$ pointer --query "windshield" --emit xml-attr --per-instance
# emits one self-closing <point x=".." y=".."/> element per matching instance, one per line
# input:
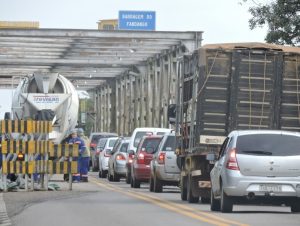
<point x="268" y="144"/>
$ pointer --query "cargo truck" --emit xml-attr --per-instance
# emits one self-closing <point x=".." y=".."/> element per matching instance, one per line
<point x="223" y="87"/>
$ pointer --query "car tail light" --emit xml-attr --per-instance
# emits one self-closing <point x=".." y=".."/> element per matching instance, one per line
<point x="232" y="163"/>
<point x="92" y="145"/>
<point x="130" y="157"/>
<point x="161" y="158"/>
<point x="141" y="158"/>
<point x="120" y="157"/>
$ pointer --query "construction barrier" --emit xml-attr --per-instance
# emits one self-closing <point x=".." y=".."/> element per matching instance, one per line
<point x="28" y="126"/>
<point x="52" y="158"/>
<point x="39" y="166"/>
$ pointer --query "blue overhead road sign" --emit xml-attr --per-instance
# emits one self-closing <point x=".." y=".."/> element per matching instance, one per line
<point x="137" y="20"/>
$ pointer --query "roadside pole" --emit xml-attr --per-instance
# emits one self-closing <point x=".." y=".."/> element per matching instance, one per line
<point x="70" y="174"/>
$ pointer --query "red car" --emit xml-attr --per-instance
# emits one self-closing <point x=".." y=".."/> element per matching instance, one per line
<point x="140" y="167"/>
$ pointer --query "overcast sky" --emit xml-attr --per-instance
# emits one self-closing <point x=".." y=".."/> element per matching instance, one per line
<point x="220" y="20"/>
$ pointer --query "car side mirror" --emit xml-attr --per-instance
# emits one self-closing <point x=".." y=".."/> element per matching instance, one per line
<point x="211" y="157"/>
<point x="172" y="113"/>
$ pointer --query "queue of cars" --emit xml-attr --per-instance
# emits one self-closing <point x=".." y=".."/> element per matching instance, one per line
<point x="253" y="166"/>
<point x="131" y="157"/>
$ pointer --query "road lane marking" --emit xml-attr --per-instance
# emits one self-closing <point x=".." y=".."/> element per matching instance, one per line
<point x="199" y="211"/>
<point x="179" y="208"/>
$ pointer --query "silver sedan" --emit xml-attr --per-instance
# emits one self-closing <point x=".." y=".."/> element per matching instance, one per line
<point x="117" y="161"/>
<point x="259" y="167"/>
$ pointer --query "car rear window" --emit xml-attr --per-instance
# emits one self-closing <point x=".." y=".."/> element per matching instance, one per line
<point x="268" y="144"/>
<point x="95" y="138"/>
<point x="151" y="143"/>
<point x="102" y="142"/>
<point x="112" y="143"/>
<point x="170" y="142"/>
<point x="124" y="147"/>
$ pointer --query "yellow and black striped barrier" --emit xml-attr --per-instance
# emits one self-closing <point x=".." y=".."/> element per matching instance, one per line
<point x="16" y="167"/>
<point x="25" y="126"/>
<point x="39" y="147"/>
<point x="64" y="150"/>
<point x="62" y="167"/>
<point x="40" y="166"/>
<point x="26" y="147"/>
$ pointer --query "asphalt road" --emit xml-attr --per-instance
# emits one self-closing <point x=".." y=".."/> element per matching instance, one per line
<point x="100" y="202"/>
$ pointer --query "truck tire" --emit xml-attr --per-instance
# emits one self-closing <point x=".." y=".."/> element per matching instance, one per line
<point x="190" y="197"/>
<point x="157" y="185"/>
<point x="226" y="202"/>
<point x="214" y="203"/>
<point x="183" y="190"/>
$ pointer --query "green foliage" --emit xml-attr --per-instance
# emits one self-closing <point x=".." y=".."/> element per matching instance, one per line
<point x="282" y="18"/>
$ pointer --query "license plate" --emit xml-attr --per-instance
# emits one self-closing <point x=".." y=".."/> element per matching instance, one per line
<point x="270" y="188"/>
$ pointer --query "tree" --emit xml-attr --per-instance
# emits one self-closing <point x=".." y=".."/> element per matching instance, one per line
<point x="282" y="18"/>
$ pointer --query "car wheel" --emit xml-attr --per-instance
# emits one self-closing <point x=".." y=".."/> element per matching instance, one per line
<point x="135" y="183"/>
<point x="103" y="173"/>
<point x="183" y="190"/>
<point x="205" y="200"/>
<point x="131" y="182"/>
<point x="94" y="168"/>
<point x="157" y="185"/>
<point x="116" y="177"/>
<point x="109" y="176"/>
<point x="214" y="203"/>
<point x="295" y="207"/>
<point x="128" y="179"/>
<point x="100" y="174"/>
<point x="190" y="197"/>
<point x="151" y="184"/>
<point x="226" y="202"/>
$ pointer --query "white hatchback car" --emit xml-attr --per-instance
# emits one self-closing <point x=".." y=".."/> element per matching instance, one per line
<point x="164" y="168"/>
<point x="105" y="155"/>
<point x="257" y="167"/>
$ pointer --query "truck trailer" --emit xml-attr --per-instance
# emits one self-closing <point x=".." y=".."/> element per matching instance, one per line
<point x="224" y="87"/>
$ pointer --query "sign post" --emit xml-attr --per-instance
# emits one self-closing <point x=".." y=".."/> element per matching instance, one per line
<point x="137" y="20"/>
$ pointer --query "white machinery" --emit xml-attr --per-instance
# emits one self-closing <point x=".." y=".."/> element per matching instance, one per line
<point x="48" y="97"/>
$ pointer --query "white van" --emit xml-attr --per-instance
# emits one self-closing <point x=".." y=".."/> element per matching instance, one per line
<point x="138" y="134"/>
